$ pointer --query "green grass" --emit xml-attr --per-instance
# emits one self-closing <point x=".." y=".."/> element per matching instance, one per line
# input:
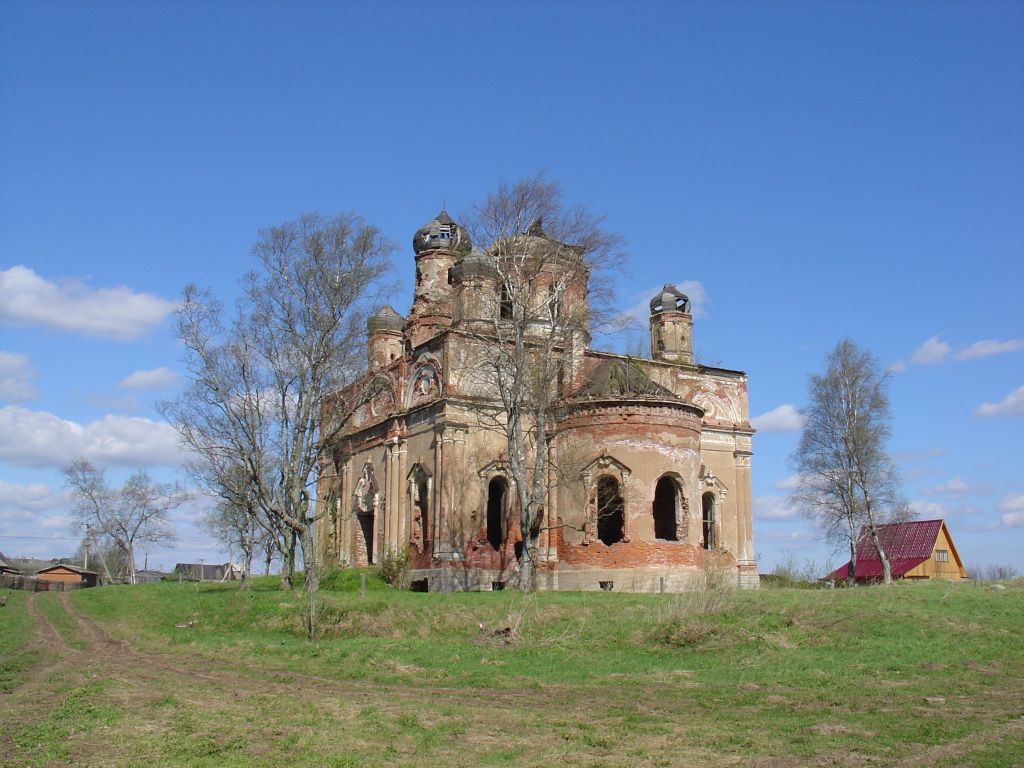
<point x="17" y="655"/>
<point x="79" y="711"/>
<point x="49" y="605"/>
<point x="398" y="678"/>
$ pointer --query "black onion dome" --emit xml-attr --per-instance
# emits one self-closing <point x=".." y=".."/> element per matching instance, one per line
<point x="671" y="299"/>
<point x="385" y="319"/>
<point x="442" y="232"/>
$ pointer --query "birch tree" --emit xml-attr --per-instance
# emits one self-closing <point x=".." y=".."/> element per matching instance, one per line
<point x="136" y="513"/>
<point x="847" y="480"/>
<point x="545" y="255"/>
<point x="257" y="384"/>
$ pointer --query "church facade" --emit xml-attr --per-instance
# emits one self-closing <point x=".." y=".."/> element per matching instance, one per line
<point x="649" y="477"/>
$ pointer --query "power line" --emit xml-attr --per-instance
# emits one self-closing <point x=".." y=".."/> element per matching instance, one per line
<point x="39" y="538"/>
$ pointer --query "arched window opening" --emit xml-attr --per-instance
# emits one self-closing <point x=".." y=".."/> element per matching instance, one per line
<point x="710" y="534"/>
<point x="611" y="518"/>
<point x="505" y="303"/>
<point x="423" y="504"/>
<point x="497" y="501"/>
<point x="666" y="509"/>
<point x="450" y="279"/>
<point x="554" y="302"/>
<point x="366" y="528"/>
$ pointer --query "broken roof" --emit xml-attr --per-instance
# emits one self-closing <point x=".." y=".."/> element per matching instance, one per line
<point x="618" y="377"/>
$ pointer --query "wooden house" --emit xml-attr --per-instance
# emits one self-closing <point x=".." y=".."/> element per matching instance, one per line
<point x="68" y="575"/>
<point x="7" y="567"/>
<point x="920" y="549"/>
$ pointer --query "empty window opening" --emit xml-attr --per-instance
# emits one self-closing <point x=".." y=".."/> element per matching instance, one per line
<point x="449" y="277"/>
<point x="419" y="276"/>
<point x="666" y="509"/>
<point x="419" y="585"/>
<point x="611" y="519"/>
<point x="519" y="551"/>
<point x="505" y="303"/>
<point x="497" y="586"/>
<point x="710" y="534"/>
<point x="497" y="495"/>
<point x="606" y="586"/>
<point x="366" y="526"/>
<point x="941" y="556"/>
<point x="554" y="302"/>
<point x="423" y="504"/>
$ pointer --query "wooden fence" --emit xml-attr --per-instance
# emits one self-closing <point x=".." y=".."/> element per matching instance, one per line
<point x="32" y="584"/>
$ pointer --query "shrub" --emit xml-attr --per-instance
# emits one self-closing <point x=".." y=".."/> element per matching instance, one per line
<point x="394" y="569"/>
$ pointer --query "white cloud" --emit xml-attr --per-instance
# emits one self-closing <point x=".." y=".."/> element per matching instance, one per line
<point x="954" y="487"/>
<point x="989" y="347"/>
<point x="1011" y="405"/>
<point x="787" y="484"/>
<point x="1012" y="508"/>
<point x="16" y="376"/>
<point x="785" y="418"/>
<point x="34" y="510"/>
<point x="898" y="367"/>
<point x="932" y="351"/>
<point x="158" y="378"/>
<point x="699" y="301"/>
<point x="114" y="313"/>
<point x="40" y="439"/>
<point x="928" y="510"/>
<point x="774" y="508"/>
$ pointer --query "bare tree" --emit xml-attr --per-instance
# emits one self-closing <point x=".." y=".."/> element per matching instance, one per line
<point x="257" y="388"/>
<point x="847" y="479"/>
<point x="135" y="513"/>
<point x="544" y="257"/>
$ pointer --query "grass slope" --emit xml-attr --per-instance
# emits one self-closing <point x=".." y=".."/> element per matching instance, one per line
<point x="876" y="676"/>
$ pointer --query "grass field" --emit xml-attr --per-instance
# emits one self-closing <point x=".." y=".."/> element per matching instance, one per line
<point x="165" y="674"/>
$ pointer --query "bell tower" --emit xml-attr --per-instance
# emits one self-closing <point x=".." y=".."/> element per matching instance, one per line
<point x="671" y="326"/>
<point x="437" y="245"/>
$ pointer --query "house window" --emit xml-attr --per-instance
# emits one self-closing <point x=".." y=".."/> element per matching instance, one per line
<point x="941" y="556"/>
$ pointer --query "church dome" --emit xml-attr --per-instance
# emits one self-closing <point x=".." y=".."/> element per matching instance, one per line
<point x="442" y="232"/>
<point x="385" y="319"/>
<point x="670" y="299"/>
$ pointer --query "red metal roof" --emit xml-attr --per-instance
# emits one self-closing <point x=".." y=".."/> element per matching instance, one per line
<point x="907" y="545"/>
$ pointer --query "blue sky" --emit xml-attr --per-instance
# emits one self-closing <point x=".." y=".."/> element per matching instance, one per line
<point x="809" y="170"/>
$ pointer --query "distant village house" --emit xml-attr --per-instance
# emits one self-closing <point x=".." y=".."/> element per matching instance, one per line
<point x="921" y="549"/>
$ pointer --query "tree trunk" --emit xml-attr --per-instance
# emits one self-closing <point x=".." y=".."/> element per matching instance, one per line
<point x="288" y="567"/>
<point x="308" y="545"/>
<point x="129" y="551"/>
<point x="851" y="573"/>
<point x="886" y="567"/>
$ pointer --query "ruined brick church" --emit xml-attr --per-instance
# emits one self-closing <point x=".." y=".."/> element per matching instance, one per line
<point x="661" y="446"/>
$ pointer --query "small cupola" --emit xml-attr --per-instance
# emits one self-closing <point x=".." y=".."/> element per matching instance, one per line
<point x="441" y="233"/>
<point x="671" y="299"/>
<point x="671" y="326"/>
<point x="385" y="340"/>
